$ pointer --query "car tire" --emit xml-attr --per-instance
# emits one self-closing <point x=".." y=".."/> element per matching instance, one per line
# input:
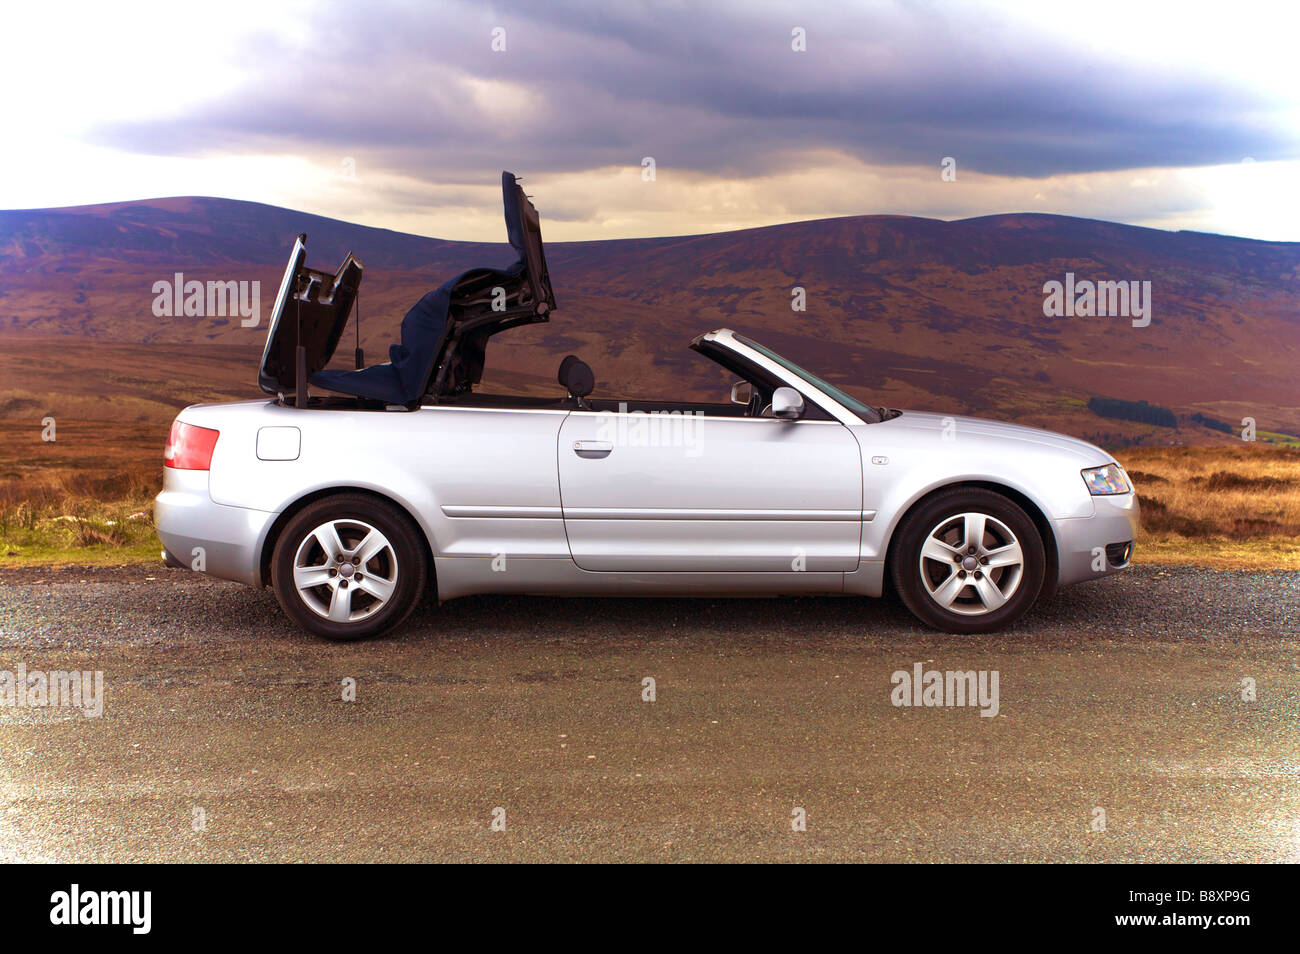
<point x="372" y="589"/>
<point x="952" y="587"/>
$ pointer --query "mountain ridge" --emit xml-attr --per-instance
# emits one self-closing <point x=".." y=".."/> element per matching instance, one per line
<point x="906" y="310"/>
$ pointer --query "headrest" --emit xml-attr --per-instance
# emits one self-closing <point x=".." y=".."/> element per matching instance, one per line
<point x="575" y="376"/>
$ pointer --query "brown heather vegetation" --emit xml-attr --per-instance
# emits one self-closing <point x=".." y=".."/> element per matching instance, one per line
<point x="1236" y="506"/>
<point x="86" y="498"/>
<point x="65" y="519"/>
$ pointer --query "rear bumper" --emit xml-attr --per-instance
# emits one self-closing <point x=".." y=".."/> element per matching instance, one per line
<point x="1089" y="547"/>
<point x="211" y="538"/>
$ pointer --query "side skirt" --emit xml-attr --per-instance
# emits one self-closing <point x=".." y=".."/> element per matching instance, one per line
<point x="466" y="576"/>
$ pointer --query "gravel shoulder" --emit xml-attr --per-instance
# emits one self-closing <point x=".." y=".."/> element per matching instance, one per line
<point x="1123" y="695"/>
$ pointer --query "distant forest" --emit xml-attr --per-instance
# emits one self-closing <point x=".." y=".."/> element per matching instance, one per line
<point x="1213" y="424"/>
<point x="1139" y="411"/>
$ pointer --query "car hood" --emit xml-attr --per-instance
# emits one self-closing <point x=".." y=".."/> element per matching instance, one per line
<point x="997" y="431"/>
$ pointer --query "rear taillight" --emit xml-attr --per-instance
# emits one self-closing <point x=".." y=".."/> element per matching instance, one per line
<point x="190" y="447"/>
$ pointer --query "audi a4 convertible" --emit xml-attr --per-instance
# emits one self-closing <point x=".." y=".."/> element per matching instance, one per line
<point x="353" y="492"/>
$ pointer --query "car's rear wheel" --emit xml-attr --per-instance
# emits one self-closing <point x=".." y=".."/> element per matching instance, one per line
<point x="968" y="560"/>
<point x="348" y="567"/>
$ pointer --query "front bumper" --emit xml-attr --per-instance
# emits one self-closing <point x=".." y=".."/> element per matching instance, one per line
<point x="1087" y="546"/>
<point x="211" y="538"/>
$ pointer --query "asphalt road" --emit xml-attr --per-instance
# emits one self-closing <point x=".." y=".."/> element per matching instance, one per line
<point x="225" y="735"/>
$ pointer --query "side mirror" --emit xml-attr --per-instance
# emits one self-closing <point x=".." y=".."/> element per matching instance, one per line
<point x="742" y="392"/>
<point x="787" y="403"/>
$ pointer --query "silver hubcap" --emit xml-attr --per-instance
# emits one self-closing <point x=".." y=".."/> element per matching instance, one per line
<point x="345" y="570"/>
<point x="971" y="563"/>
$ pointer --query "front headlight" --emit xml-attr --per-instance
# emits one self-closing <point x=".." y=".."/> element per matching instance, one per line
<point x="1109" y="479"/>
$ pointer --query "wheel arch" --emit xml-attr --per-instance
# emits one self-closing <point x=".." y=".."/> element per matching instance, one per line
<point x="299" y="504"/>
<point x="1024" y="502"/>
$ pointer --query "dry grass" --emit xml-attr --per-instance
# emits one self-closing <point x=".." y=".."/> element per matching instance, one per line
<point x="1236" y="506"/>
<point x="84" y="498"/>
<point x="67" y="516"/>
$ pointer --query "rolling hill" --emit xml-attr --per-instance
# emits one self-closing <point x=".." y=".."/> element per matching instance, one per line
<point x="908" y="312"/>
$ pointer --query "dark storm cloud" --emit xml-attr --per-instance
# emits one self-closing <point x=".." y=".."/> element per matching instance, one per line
<point x="718" y="91"/>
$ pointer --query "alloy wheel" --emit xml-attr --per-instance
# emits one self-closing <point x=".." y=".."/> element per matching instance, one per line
<point x="345" y="570"/>
<point x="971" y="563"/>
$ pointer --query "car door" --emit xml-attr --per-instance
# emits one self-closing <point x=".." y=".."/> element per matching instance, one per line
<point x="699" y="493"/>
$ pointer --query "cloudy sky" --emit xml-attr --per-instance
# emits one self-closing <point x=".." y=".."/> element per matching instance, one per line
<point x="1178" y="115"/>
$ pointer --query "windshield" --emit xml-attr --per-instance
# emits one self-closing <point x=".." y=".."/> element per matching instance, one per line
<point x="864" y="411"/>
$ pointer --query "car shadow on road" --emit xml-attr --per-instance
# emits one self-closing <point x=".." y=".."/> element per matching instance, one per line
<point x="1096" y="610"/>
<point x="795" y="618"/>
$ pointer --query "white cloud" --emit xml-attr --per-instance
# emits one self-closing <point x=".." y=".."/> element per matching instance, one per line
<point x="265" y="102"/>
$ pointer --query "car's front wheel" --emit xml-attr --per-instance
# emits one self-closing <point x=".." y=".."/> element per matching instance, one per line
<point x="348" y="567"/>
<point x="968" y="561"/>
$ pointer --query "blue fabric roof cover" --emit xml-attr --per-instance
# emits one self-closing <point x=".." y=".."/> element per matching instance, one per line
<point x="406" y="375"/>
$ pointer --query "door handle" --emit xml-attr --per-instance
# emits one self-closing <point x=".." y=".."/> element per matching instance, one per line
<point x="592" y="450"/>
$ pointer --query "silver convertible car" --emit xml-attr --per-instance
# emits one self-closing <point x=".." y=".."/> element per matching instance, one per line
<point x="405" y="478"/>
